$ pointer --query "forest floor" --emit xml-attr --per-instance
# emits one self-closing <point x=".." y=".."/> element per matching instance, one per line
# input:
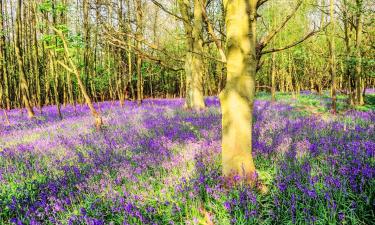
<point x="160" y="164"/>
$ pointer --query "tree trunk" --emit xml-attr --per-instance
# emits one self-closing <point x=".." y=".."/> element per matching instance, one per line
<point x="197" y="67"/>
<point x="194" y="48"/>
<point x="23" y="81"/>
<point x="3" y="60"/>
<point x="273" y="78"/>
<point x="73" y="69"/>
<point x="358" y="66"/>
<point x="332" y="60"/>
<point x="139" y="18"/>
<point x="237" y="98"/>
<point x="184" y="10"/>
<point x="86" y="30"/>
<point x="35" y="57"/>
<point x="351" y="97"/>
<point x="55" y="75"/>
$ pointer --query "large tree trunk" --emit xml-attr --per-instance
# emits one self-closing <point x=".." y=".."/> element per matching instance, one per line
<point x="237" y="98"/>
<point x="3" y="60"/>
<point x="184" y="10"/>
<point x="21" y="69"/>
<point x="188" y="74"/>
<point x="197" y="73"/>
<point x="194" y="68"/>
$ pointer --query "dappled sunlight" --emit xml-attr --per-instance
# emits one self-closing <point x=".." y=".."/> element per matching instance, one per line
<point x="159" y="158"/>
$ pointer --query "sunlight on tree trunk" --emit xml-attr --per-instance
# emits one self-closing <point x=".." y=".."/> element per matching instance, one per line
<point x="273" y="78"/>
<point x="22" y="75"/>
<point x="197" y="73"/>
<point x="332" y="60"/>
<point x="237" y="98"/>
<point x="194" y="66"/>
<point x="358" y="65"/>
<point x="188" y="73"/>
<point x="139" y="35"/>
<point x="73" y="69"/>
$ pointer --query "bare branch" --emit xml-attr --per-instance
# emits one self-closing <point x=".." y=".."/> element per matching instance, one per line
<point x="261" y="2"/>
<point x="120" y="44"/>
<point x="65" y="66"/>
<point x="266" y="39"/>
<point x="142" y="39"/>
<point x="212" y="33"/>
<point x="312" y="33"/>
<point x="208" y="57"/>
<point x="167" y="11"/>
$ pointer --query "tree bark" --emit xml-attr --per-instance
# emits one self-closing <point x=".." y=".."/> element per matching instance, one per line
<point x="358" y="66"/>
<point x="237" y="98"/>
<point x="3" y="60"/>
<point x="139" y="35"/>
<point x="86" y="29"/>
<point x="273" y="78"/>
<point x="35" y="56"/>
<point x="197" y="73"/>
<point x="332" y="60"/>
<point x="73" y="69"/>
<point x="55" y="75"/>
<point x="23" y="81"/>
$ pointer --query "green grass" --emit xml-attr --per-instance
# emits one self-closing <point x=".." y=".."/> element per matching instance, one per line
<point x="318" y="103"/>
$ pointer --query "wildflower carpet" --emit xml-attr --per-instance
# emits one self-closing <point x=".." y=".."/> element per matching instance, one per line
<point x="160" y="164"/>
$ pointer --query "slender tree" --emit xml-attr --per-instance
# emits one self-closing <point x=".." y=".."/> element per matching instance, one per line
<point x="20" y="61"/>
<point x="359" y="100"/>
<point x="332" y="60"/>
<point x="139" y="35"/>
<point x="73" y="69"/>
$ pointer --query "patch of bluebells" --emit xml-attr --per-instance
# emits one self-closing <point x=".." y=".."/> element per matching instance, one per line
<point x="160" y="164"/>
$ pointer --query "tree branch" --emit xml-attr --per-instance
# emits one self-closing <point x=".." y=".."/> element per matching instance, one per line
<point x="261" y="2"/>
<point x="266" y="39"/>
<point x="167" y="11"/>
<point x="65" y="66"/>
<point x="141" y="39"/>
<point x="143" y="55"/>
<point x="312" y="33"/>
<point x="212" y="33"/>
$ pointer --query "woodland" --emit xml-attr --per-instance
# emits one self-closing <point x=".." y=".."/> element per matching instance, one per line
<point x="187" y="112"/>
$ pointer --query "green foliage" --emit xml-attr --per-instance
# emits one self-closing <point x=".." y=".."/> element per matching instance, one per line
<point x="101" y="79"/>
<point x="47" y="6"/>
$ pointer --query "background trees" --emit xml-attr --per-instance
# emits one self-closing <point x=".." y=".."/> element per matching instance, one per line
<point x="131" y="49"/>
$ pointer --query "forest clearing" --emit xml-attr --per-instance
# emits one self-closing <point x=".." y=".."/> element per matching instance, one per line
<point x="200" y="112"/>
